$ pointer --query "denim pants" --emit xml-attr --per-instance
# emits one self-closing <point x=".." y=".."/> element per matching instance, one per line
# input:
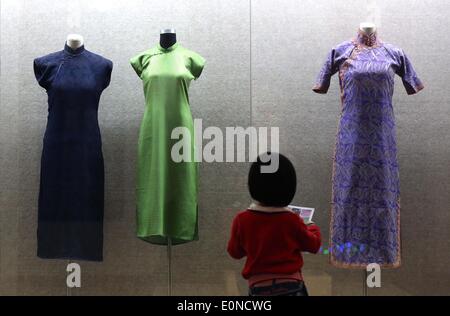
<point x="294" y="288"/>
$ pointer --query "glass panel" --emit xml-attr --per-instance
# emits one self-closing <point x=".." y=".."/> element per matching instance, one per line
<point x="261" y="62"/>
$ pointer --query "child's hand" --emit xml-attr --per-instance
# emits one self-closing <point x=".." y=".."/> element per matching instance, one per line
<point x="307" y="223"/>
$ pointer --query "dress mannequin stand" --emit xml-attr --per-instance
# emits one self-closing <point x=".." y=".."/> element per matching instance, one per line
<point x="74" y="41"/>
<point x="367" y="28"/>
<point x="168" y="38"/>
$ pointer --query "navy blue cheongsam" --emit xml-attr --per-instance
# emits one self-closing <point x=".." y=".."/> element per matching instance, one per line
<point x="70" y="215"/>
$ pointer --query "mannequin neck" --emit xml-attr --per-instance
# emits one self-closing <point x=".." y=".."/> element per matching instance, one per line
<point x="74" y="41"/>
<point x="166" y="40"/>
<point x="368" y="28"/>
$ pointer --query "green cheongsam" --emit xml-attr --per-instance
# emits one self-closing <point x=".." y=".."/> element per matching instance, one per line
<point x="166" y="190"/>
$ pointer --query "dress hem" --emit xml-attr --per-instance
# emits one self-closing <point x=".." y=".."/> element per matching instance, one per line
<point x="339" y="264"/>
<point x="158" y="239"/>
<point x="68" y="257"/>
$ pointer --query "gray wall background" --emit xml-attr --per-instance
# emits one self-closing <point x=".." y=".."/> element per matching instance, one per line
<point x="262" y="59"/>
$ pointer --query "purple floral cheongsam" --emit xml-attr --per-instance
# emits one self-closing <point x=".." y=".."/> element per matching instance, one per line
<point x="365" y="212"/>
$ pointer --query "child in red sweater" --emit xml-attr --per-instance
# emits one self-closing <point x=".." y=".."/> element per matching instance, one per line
<point x="270" y="235"/>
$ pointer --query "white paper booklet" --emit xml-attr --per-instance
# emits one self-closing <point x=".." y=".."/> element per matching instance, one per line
<point x="306" y="213"/>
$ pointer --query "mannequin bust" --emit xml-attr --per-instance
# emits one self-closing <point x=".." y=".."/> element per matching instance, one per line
<point x="167" y="38"/>
<point x="368" y="28"/>
<point x="74" y="41"/>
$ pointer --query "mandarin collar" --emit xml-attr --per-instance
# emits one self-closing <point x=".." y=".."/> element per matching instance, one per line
<point x="69" y="50"/>
<point x="367" y="40"/>
<point x="168" y="49"/>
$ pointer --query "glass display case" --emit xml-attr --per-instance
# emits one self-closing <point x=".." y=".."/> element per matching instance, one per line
<point x="262" y="59"/>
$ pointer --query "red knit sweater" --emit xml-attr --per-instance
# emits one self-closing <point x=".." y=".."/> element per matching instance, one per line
<point x="272" y="242"/>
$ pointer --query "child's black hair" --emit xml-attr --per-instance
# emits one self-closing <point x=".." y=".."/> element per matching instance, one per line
<point x="272" y="189"/>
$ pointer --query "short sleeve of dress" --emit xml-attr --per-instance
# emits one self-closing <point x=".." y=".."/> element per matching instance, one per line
<point x="197" y="65"/>
<point x="108" y="71"/>
<point x="42" y="73"/>
<point x="329" y="68"/>
<point x="139" y="62"/>
<point x="409" y="76"/>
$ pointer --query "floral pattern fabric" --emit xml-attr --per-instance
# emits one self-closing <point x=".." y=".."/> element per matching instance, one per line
<point x="365" y="213"/>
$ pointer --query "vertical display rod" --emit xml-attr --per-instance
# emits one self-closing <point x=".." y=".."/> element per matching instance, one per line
<point x="250" y="64"/>
<point x="169" y="267"/>
<point x="365" y="293"/>
<point x="68" y="292"/>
